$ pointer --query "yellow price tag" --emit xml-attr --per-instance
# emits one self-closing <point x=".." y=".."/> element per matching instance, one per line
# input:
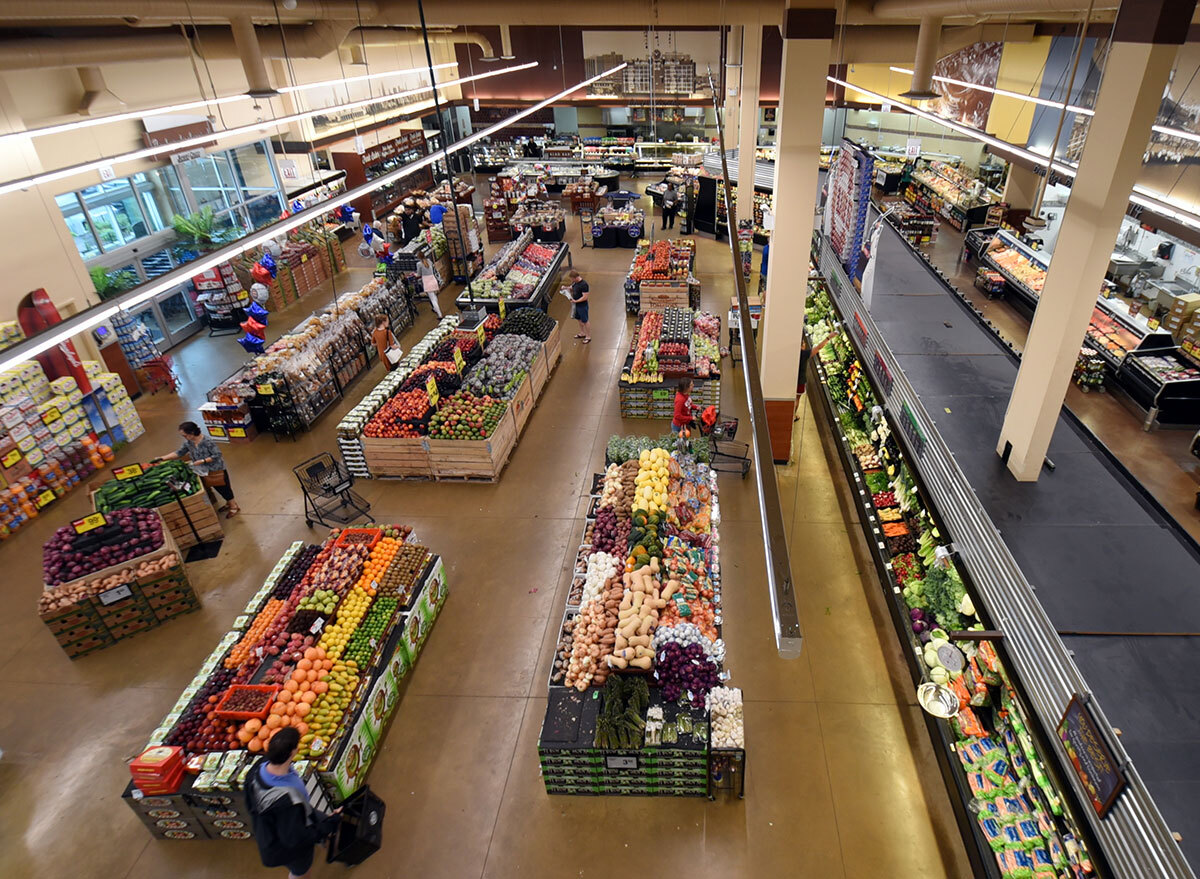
<point x="213" y="430"/>
<point x="44" y="498"/>
<point x="459" y="363"/>
<point x="89" y="523"/>
<point x="51" y="414"/>
<point x="1188" y="346"/>
<point x="1105" y="293"/>
<point x="481" y="335"/>
<point x="265" y="390"/>
<point x="304" y="257"/>
<point x="503" y="310"/>
<point x="239" y="432"/>
<point x="11" y="458"/>
<point x="432" y="390"/>
<point x="128" y="472"/>
<point x="1153" y="324"/>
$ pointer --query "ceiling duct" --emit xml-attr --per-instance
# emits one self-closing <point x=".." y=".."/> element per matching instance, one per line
<point x="927" y="54"/>
<point x="506" y="51"/>
<point x="246" y="41"/>
<point x="97" y="100"/>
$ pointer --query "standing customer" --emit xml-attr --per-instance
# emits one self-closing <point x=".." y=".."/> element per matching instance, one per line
<point x="578" y="293"/>
<point x="429" y="284"/>
<point x="683" y="406"/>
<point x="670" y="206"/>
<point x="385" y="342"/>
<point x="806" y="353"/>
<point x="286" y="826"/>
<point x="206" y="460"/>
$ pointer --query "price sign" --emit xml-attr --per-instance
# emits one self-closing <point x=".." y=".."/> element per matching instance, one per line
<point x="432" y="390"/>
<point x="239" y="432"/>
<point x="1099" y="771"/>
<point x="45" y="497"/>
<point x="1105" y="293"/>
<point x="304" y="257"/>
<point x="459" y="363"/>
<point x="51" y="414"/>
<point x="1188" y="346"/>
<point x="1153" y="324"/>
<point x="13" y="456"/>
<point x="503" y="310"/>
<point x="213" y="430"/>
<point x="89" y="523"/>
<point x="128" y="472"/>
<point x="616" y="761"/>
<point x="117" y="593"/>
<point x="266" y="390"/>
<point x="481" y="335"/>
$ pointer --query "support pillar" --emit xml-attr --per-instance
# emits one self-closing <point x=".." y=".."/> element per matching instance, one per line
<point x="1145" y="39"/>
<point x="1020" y="189"/>
<point x="807" y="45"/>
<point x="748" y="133"/>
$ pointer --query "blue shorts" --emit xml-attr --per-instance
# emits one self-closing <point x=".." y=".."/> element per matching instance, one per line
<point x="581" y="312"/>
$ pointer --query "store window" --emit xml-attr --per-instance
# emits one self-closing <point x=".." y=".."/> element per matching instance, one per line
<point x="77" y="225"/>
<point x="255" y="171"/>
<point x="211" y="180"/>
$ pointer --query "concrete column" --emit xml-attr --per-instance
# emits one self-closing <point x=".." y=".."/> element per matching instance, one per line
<point x="1145" y="40"/>
<point x="1020" y="189"/>
<point x="748" y="135"/>
<point x="732" y="99"/>
<point x="807" y="46"/>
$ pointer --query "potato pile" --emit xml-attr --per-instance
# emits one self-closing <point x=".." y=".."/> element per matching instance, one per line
<point x="594" y="636"/>
<point x="637" y="617"/>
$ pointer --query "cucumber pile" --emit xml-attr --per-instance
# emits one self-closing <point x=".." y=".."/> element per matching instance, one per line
<point x="148" y="490"/>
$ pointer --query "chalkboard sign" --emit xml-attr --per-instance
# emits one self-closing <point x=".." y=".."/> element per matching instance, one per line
<point x="1090" y="756"/>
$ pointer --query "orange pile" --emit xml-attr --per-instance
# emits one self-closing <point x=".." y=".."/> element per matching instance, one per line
<point x="241" y="652"/>
<point x="293" y="703"/>
<point x="378" y="563"/>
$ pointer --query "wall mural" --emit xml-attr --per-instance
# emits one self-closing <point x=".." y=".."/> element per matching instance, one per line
<point x="978" y="63"/>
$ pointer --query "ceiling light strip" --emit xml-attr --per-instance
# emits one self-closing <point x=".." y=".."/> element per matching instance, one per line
<point x="205" y="139"/>
<point x="204" y="103"/>
<point x="86" y="320"/>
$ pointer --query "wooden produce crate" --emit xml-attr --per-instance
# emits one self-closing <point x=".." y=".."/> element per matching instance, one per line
<point x="553" y="348"/>
<point x="400" y="456"/>
<point x="538" y="374"/>
<point x="474" y="459"/>
<point x="660" y="295"/>
<point x="197" y="505"/>
<point x="522" y="404"/>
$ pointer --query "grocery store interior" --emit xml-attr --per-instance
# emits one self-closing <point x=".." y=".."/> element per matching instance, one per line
<point x="770" y="425"/>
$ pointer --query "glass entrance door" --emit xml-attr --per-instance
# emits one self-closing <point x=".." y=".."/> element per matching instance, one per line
<point x="177" y="315"/>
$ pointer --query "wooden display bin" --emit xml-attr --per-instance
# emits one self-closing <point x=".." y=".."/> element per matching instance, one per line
<point x="522" y="404"/>
<point x="538" y="375"/>
<point x="197" y="506"/>
<point x="660" y="295"/>
<point x="553" y="348"/>
<point x="474" y="459"/>
<point x="400" y="456"/>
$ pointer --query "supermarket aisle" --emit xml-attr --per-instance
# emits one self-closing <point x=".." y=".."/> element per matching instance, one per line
<point x="841" y="781"/>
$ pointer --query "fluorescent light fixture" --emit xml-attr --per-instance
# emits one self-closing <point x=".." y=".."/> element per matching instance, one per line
<point x="86" y="320"/>
<point x="1140" y="195"/>
<point x="194" y="105"/>
<point x="148" y="152"/>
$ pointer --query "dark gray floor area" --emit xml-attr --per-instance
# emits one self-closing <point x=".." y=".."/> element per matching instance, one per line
<point x="1102" y="558"/>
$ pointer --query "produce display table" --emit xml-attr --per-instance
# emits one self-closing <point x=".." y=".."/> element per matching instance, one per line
<point x="665" y="347"/>
<point x="660" y="275"/>
<point x="660" y="650"/>
<point x="97" y="609"/>
<point x="308" y="606"/>
<point x="522" y="273"/>
<point x="396" y="433"/>
<point x="189" y="514"/>
<point x="617" y="227"/>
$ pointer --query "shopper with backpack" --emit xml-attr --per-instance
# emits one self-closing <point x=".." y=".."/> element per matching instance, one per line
<point x="286" y="826"/>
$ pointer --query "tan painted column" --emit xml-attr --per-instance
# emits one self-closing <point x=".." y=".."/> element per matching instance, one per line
<point x="748" y="133"/>
<point x="1020" y="189"/>
<point x="733" y="87"/>
<point x="1134" y="76"/>
<point x="806" y="49"/>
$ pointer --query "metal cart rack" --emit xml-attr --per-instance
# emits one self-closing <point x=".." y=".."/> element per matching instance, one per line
<point x="328" y="492"/>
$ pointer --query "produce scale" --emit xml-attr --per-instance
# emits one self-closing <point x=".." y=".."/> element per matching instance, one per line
<point x="325" y="646"/>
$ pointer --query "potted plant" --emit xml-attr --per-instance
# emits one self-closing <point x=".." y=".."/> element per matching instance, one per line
<point x="112" y="283"/>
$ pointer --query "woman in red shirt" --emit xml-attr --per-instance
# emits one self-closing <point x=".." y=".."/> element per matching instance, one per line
<point x="683" y="406"/>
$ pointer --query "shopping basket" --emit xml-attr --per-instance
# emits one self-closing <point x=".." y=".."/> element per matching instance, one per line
<point x="359" y="833"/>
<point x="328" y="492"/>
<point x="727" y="456"/>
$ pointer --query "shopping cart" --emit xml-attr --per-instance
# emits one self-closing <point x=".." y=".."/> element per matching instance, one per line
<point x="328" y="493"/>
<point x="727" y="456"/>
<point x="157" y="373"/>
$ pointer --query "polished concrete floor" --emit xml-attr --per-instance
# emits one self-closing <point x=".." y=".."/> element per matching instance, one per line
<point x="841" y="779"/>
